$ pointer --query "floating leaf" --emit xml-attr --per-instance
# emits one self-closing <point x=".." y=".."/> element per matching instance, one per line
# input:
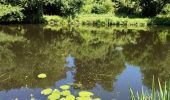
<point x="54" y="96"/>
<point x="84" y="98"/>
<point x="85" y="94"/>
<point x="66" y="93"/>
<point x="65" y="87"/>
<point x="70" y="97"/>
<point x="63" y="99"/>
<point x="42" y="75"/>
<point x="56" y="91"/>
<point x="46" y="91"/>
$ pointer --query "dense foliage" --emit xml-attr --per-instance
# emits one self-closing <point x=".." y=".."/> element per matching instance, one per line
<point x="10" y="13"/>
<point x="102" y="7"/>
<point x="31" y="11"/>
<point x="151" y="8"/>
<point x="62" y="7"/>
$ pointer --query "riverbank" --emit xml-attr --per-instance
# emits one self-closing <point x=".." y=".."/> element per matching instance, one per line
<point x="107" y="20"/>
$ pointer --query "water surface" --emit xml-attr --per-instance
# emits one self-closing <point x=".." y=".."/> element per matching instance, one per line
<point x="106" y="61"/>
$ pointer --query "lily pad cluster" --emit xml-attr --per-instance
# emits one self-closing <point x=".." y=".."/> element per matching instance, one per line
<point x="65" y="94"/>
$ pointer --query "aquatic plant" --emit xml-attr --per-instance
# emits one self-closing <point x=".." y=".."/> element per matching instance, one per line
<point x="46" y="91"/>
<point x="42" y="75"/>
<point x="65" y="94"/>
<point x="161" y="94"/>
<point x="85" y="94"/>
<point x="65" y="87"/>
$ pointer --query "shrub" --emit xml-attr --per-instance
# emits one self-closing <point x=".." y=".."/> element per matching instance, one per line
<point x="151" y="8"/>
<point x="33" y="10"/>
<point x="166" y="9"/>
<point x="10" y="13"/>
<point x="126" y="7"/>
<point x="62" y="7"/>
<point x="87" y="9"/>
<point x="103" y="7"/>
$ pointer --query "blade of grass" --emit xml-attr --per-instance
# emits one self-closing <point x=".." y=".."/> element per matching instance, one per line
<point x="132" y="94"/>
<point x="153" y="89"/>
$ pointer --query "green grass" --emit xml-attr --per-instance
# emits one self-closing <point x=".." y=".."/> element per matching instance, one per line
<point x="54" y="19"/>
<point x="162" y="93"/>
<point x="108" y="20"/>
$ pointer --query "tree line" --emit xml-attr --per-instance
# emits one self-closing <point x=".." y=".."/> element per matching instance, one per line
<point x="32" y="11"/>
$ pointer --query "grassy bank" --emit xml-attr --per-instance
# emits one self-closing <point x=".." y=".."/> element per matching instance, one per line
<point x="108" y="20"/>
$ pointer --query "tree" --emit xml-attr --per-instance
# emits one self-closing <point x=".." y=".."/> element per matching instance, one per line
<point x="32" y="9"/>
<point x="62" y="7"/>
<point x="151" y="8"/>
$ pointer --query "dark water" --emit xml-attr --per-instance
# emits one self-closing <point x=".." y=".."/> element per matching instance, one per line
<point x="105" y="61"/>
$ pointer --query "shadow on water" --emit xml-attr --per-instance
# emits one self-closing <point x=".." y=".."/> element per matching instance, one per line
<point x="106" y="61"/>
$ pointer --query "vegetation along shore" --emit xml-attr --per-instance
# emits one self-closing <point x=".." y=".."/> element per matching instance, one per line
<point x="86" y="12"/>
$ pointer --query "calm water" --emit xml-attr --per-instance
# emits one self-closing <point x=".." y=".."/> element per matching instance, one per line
<point x="105" y="61"/>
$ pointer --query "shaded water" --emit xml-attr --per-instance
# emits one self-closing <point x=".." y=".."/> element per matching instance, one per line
<point x="106" y="61"/>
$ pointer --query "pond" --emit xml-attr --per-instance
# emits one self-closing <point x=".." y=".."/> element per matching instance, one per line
<point x="104" y="60"/>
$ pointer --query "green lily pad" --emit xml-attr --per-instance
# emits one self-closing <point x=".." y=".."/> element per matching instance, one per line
<point x="65" y="87"/>
<point x="66" y="93"/>
<point x="63" y="99"/>
<point x="42" y="75"/>
<point x="85" y="94"/>
<point x="54" y="96"/>
<point x="84" y="98"/>
<point x="56" y="91"/>
<point x="46" y="91"/>
<point x="70" y="97"/>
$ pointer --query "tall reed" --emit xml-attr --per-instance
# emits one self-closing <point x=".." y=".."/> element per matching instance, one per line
<point x="162" y="93"/>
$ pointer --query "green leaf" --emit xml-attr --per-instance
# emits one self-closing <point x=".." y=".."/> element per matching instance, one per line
<point x="56" y="91"/>
<point x="63" y="99"/>
<point x="70" y="97"/>
<point x="54" y="96"/>
<point x="46" y="91"/>
<point x="42" y="75"/>
<point x="66" y="93"/>
<point x="65" y="87"/>
<point x="85" y="94"/>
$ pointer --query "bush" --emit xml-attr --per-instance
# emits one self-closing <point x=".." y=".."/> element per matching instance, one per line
<point x="103" y="7"/>
<point x="62" y="7"/>
<point x="160" y="21"/>
<point x="166" y="9"/>
<point x="10" y="13"/>
<point x="126" y="8"/>
<point x="151" y="8"/>
<point x="99" y="9"/>
<point x="87" y="9"/>
<point x="33" y="10"/>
